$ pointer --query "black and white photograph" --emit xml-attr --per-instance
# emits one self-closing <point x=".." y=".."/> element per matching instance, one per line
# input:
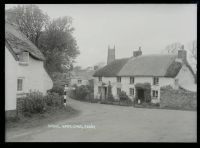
<point x="101" y="73"/>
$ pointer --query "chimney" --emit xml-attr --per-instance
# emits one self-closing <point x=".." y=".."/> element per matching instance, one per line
<point x="137" y="53"/>
<point x="182" y="54"/>
<point x="111" y="55"/>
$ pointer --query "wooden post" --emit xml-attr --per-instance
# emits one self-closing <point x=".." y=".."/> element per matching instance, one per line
<point x="65" y="95"/>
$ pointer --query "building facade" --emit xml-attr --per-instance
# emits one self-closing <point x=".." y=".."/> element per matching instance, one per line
<point x="24" y="68"/>
<point x="131" y="75"/>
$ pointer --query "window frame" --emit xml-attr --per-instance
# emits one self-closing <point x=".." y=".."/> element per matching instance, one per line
<point x="22" y="56"/>
<point x="132" y="80"/>
<point x="79" y="81"/>
<point x="155" y="94"/>
<point x="155" y="80"/>
<point x="131" y="91"/>
<point x="22" y="83"/>
<point x="100" y="79"/>
<point x="119" y="90"/>
<point x="119" y="79"/>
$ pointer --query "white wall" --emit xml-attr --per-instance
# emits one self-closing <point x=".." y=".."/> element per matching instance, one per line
<point x="125" y="84"/>
<point x="47" y="81"/>
<point x="75" y="81"/>
<point x="35" y="77"/>
<point x="10" y="81"/>
<point x="185" y="77"/>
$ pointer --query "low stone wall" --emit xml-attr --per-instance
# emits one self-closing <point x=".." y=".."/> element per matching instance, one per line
<point x="10" y="113"/>
<point x="178" y="99"/>
<point x="20" y="106"/>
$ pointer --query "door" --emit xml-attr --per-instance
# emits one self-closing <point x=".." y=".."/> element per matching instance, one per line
<point x="141" y="94"/>
<point x="104" y="92"/>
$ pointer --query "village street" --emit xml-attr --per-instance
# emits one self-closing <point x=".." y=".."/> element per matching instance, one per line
<point x="115" y="124"/>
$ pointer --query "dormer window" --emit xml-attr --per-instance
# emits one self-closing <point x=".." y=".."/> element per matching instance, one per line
<point x="24" y="58"/>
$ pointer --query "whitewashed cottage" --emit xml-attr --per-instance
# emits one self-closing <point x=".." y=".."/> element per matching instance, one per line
<point x="24" y="67"/>
<point x="133" y="74"/>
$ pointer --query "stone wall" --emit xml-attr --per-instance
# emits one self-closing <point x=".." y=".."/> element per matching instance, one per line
<point x="20" y="106"/>
<point x="178" y="99"/>
<point x="10" y="113"/>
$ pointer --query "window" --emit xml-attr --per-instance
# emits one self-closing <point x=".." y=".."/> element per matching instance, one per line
<point x="155" y="81"/>
<point x="155" y="93"/>
<point x="79" y="81"/>
<point x="19" y="84"/>
<point x="24" y="58"/>
<point x="131" y="80"/>
<point x="118" y="79"/>
<point x="131" y="91"/>
<point x="100" y="79"/>
<point x="118" y="91"/>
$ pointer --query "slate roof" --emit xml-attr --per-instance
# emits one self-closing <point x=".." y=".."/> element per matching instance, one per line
<point x="19" y="42"/>
<point x="145" y="65"/>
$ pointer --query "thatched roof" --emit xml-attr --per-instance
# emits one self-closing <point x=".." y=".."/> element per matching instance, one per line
<point x="19" y="42"/>
<point x="112" y="68"/>
<point x="145" y="65"/>
<point x="151" y="65"/>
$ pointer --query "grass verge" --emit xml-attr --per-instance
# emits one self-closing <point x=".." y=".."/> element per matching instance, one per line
<point x="51" y="115"/>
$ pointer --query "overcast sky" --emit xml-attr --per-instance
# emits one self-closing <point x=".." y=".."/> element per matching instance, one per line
<point x="127" y="26"/>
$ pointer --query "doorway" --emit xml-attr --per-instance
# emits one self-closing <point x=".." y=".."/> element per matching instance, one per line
<point x="104" y="93"/>
<point x="140" y="93"/>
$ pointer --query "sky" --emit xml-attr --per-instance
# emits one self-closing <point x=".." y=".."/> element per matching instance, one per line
<point x="126" y="26"/>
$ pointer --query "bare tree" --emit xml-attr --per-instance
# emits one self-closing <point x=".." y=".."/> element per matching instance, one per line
<point x="193" y="51"/>
<point x="172" y="48"/>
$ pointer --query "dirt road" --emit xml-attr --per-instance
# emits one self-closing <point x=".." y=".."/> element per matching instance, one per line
<point x="109" y="123"/>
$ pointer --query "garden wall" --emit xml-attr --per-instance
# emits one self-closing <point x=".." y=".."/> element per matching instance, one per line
<point x="178" y="99"/>
<point x="20" y="106"/>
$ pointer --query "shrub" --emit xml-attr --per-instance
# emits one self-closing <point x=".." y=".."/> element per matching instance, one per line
<point x="57" y="89"/>
<point x="53" y="99"/>
<point x="34" y="103"/>
<point x="12" y="119"/>
<point x="123" y="96"/>
<point x="81" y="92"/>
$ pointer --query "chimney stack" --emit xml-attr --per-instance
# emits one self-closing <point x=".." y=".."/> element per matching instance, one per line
<point x="137" y="53"/>
<point x="182" y="54"/>
<point x="111" y="55"/>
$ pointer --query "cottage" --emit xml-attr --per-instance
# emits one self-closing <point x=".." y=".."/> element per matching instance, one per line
<point x="142" y="76"/>
<point x="24" y="67"/>
<point x="81" y="76"/>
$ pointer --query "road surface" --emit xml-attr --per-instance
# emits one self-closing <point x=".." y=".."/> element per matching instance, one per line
<point x="110" y="123"/>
